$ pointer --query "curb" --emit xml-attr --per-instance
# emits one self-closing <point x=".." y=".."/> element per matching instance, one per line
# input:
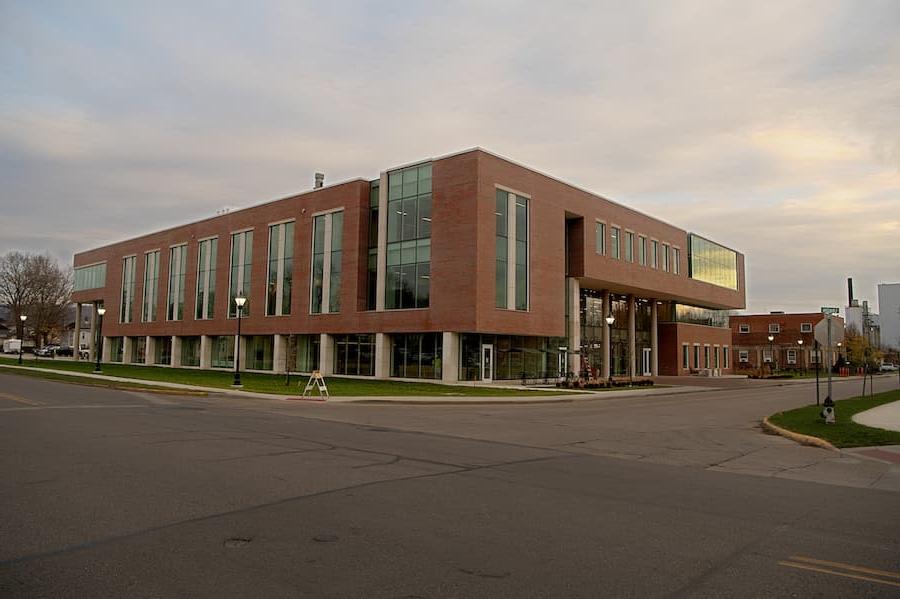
<point x="798" y="437"/>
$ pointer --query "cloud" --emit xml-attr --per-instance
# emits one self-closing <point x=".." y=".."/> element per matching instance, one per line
<point x="771" y="128"/>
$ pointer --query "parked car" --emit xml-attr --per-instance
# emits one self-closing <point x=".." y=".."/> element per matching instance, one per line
<point x="47" y="351"/>
<point x="65" y="350"/>
<point x="888" y="367"/>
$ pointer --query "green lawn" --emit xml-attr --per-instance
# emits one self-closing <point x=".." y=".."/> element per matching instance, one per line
<point x="272" y="383"/>
<point x="844" y="432"/>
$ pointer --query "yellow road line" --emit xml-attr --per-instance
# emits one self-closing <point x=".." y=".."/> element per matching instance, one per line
<point x="836" y="573"/>
<point x="822" y="562"/>
<point x="19" y="399"/>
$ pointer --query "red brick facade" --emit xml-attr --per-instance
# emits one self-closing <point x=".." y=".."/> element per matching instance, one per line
<point x="463" y="237"/>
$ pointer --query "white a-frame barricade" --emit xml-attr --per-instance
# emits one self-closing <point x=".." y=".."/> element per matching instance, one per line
<point x="316" y="381"/>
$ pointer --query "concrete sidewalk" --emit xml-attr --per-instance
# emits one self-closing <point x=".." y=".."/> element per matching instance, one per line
<point x="886" y="416"/>
<point x="450" y="398"/>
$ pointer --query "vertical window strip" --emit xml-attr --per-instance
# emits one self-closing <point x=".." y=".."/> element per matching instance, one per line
<point x="501" y="279"/>
<point x="280" y="269"/>
<point x="629" y="246"/>
<point x="521" y="253"/>
<point x="327" y="259"/>
<point x="151" y="285"/>
<point x="126" y="307"/>
<point x="642" y="250"/>
<point x="317" y="273"/>
<point x="408" y="275"/>
<point x="241" y="260"/>
<point x="175" y="296"/>
<point x="335" y="264"/>
<point x="676" y="261"/>
<point x="600" y="238"/>
<point x="654" y="253"/>
<point x="615" y="242"/>
<point x="206" y="279"/>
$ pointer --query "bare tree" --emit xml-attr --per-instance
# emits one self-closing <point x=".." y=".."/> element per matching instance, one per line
<point x="37" y="286"/>
<point x="52" y="289"/>
<point x="16" y="289"/>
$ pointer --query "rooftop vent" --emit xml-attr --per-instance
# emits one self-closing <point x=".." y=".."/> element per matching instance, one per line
<point x="320" y="181"/>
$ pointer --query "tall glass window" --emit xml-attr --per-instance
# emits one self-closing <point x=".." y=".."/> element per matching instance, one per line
<point x="354" y="354"/>
<point x="408" y="283"/>
<point x="222" y="352"/>
<point x="521" y="253"/>
<point x="126" y="307"/>
<point x="600" y="238"/>
<point x="654" y="254"/>
<point x="512" y="251"/>
<point x="239" y="283"/>
<point x="151" y="286"/>
<point x="327" y="255"/>
<point x="190" y="351"/>
<point x="206" y="279"/>
<point x="666" y="257"/>
<point x="501" y="280"/>
<point x="615" y="246"/>
<point x="372" y="265"/>
<point x="629" y="246"/>
<point x="281" y="266"/>
<point x="676" y="261"/>
<point x="642" y="250"/>
<point x="175" y="305"/>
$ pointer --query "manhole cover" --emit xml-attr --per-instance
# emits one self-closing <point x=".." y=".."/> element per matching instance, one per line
<point x="236" y="542"/>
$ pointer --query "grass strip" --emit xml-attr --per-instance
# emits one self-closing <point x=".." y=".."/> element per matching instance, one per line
<point x="275" y="383"/>
<point x="844" y="432"/>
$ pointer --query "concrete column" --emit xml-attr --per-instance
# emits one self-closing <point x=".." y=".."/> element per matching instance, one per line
<point x="604" y="370"/>
<point x="326" y="354"/>
<point x="632" y="308"/>
<point x="105" y="350"/>
<point x="149" y="350"/>
<point x="654" y="338"/>
<point x="449" y="357"/>
<point x="77" y="337"/>
<point x="574" y="332"/>
<point x="382" y="356"/>
<point x="205" y="351"/>
<point x="381" y="267"/>
<point x="93" y="341"/>
<point x="176" y="351"/>
<point x="279" y="353"/>
<point x="127" y="348"/>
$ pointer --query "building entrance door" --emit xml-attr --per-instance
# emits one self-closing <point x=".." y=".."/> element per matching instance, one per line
<point x="487" y="363"/>
<point x="646" y="361"/>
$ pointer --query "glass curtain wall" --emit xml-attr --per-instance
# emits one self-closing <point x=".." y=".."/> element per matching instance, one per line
<point x="116" y="346"/>
<point x="417" y="355"/>
<point x="190" y="351"/>
<point x="222" y="352"/>
<point x="138" y="350"/>
<point x="408" y="283"/>
<point x="305" y="349"/>
<point x="260" y="350"/>
<point x="163" y="350"/>
<point x="372" y="259"/>
<point x="354" y="354"/>
<point x="515" y="355"/>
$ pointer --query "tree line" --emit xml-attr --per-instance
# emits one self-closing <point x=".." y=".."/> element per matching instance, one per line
<point x="35" y="285"/>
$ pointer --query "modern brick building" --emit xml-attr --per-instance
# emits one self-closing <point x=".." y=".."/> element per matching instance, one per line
<point x="467" y="267"/>
<point x="753" y="350"/>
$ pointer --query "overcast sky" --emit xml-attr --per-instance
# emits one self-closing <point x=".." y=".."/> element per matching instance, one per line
<point x="773" y="128"/>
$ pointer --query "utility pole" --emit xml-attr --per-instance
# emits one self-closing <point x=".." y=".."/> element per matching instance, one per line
<point x="828" y="354"/>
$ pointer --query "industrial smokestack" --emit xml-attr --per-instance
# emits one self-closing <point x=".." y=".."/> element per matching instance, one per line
<point x="849" y="291"/>
<point x="320" y="181"/>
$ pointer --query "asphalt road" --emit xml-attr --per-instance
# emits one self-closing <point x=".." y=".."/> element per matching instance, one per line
<point x="119" y="494"/>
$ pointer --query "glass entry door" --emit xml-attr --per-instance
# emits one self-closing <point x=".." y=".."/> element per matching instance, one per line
<point x="646" y="361"/>
<point x="487" y="363"/>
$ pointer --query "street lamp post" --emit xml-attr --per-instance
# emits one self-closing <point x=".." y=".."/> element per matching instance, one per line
<point x="23" y="318"/>
<point x="239" y="302"/>
<point x="609" y="322"/>
<point x="802" y="361"/>
<point x="99" y="340"/>
<point x="771" y="354"/>
<point x="818" y="359"/>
